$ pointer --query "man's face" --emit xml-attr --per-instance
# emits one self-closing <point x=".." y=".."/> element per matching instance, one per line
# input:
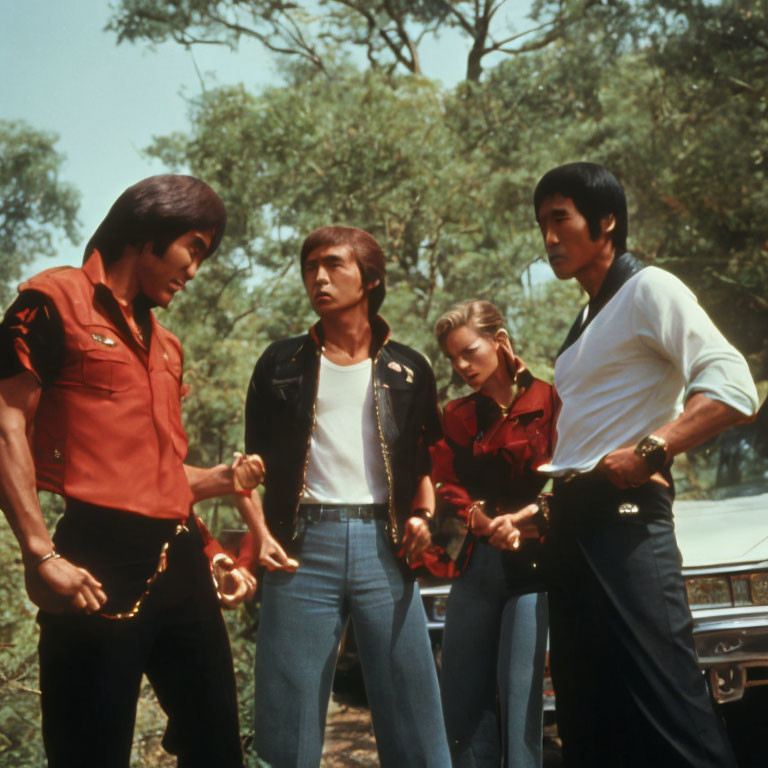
<point x="333" y="280"/>
<point x="161" y="277"/>
<point x="570" y="248"/>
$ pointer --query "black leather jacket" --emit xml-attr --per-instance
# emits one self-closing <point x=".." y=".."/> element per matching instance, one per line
<point x="280" y="412"/>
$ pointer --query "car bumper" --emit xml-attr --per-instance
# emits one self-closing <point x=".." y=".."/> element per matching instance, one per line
<point x="732" y="646"/>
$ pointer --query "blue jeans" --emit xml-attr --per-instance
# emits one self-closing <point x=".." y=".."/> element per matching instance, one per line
<point x="494" y="641"/>
<point x="346" y="569"/>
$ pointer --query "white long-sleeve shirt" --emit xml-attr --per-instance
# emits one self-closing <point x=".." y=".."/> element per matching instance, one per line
<point x="648" y="349"/>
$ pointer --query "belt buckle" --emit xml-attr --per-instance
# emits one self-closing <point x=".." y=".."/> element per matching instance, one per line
<point x="627" y="509"/>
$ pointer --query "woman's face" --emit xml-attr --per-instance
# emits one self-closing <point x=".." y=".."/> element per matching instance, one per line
<point x="474" y="357"/>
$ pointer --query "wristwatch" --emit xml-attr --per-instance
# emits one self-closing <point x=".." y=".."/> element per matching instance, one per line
<point x="653" y="450"/>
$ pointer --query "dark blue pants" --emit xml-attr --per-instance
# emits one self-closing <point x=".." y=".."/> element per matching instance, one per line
<point x="91" y="667"/>
<point x="628" y="686"/>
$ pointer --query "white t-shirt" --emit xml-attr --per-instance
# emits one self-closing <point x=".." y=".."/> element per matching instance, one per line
<point x="648" y="349"/>
<point x="346" y="465"/>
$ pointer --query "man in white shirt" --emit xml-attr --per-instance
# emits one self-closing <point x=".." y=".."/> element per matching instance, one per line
<point x="345" y="417"/>
<point x="643" y="376"/>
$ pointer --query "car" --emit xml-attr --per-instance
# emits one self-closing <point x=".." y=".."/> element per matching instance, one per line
<point x="721" y="521"/>
<point x="724" y="544"/>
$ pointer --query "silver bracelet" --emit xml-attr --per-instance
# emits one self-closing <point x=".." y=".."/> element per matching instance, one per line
<point x="50" y="556"/>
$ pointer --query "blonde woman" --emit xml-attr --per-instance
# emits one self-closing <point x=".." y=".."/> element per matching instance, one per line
<point x="484" y="470"/>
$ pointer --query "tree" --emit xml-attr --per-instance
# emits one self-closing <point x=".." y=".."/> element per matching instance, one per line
<point x="387" y="32"/>
<point x="708" y="202"/>
<point x="443" y="177"/>
<point x="34" y="204"/>
<point x="679" y="116"/>
<point x="363" y="149"/>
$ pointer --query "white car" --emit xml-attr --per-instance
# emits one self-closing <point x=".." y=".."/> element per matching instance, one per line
<point x="724" y="544"/>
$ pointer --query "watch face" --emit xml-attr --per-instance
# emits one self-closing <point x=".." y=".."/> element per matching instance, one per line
<point x="654" y="450"/>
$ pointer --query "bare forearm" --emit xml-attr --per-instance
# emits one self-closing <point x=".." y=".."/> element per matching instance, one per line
<point x="246" y="473"/>
<point x="207" y="482"/>
<point x="18" y="494"/>
<point x="252" y="513"/>
<point x="702" y="419"/>
<point x="19" y="397"/>
<point x="266" y="550"/>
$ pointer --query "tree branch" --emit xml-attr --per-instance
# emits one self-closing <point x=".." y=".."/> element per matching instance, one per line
<point x="462" y="20"/>
<point x="498" y="44"/>
<point x="374" y="25"/>
<point x="404" y="36"/>
<point x="302" y="49"/>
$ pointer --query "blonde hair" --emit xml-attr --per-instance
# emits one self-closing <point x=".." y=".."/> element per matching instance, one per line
<point x="481" y="316"/>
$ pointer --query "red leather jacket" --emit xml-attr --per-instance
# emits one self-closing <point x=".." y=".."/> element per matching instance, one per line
<point x="485" y="455"/>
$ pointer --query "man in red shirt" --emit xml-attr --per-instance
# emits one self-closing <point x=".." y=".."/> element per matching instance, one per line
<point x="90" y="391"/>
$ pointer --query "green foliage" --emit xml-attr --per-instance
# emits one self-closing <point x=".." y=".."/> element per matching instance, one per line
<point x="443" y="178"/>
<point x="34" y="204"/>
<point x="19" y="695"/>
<point x="362" y="149"/>
<point x="671" y="95"/>
<point x="707" y="204"/>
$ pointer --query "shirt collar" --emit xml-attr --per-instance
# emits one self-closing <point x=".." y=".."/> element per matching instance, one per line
<point x="95" y="272"/>
<point x="622" y="269"/>
<point x="94" y="269"/>
<point x="379" y="333"/>
<point x="528" y="401"/>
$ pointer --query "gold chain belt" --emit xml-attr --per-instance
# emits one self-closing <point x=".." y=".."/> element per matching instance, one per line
<point x="162" y="565"/>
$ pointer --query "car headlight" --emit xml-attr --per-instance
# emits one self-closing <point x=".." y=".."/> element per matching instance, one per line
<point x="759" y="585"/>
<point x="710" y="591"/>
<point x="727" y="590"/>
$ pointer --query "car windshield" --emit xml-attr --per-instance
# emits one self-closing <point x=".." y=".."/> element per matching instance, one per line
<point x="735" y="463"/>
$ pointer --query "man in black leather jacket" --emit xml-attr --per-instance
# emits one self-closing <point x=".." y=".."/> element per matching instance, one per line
<point x="343" y="418"/>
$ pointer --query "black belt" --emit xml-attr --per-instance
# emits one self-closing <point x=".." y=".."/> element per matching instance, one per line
<point x="341" y="513"/>
<point x="592" y="498"/>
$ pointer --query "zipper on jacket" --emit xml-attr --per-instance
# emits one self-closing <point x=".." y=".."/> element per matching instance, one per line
<point x="295" y="527"/>
<point x="394" y="533"/>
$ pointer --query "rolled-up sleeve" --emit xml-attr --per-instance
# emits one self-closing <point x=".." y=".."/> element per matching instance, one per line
<point x="668" y="319"/>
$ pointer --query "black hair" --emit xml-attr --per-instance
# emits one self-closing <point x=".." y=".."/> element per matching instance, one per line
<point x="159" y="209"/>
<point x="367" y="252"/>
<point x="595" y="192"/>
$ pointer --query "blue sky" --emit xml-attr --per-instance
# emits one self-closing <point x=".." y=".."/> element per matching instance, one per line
<point x="64" y="74"/>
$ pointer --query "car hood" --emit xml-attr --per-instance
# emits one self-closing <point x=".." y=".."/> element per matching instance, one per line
<point x="722" y="532"/>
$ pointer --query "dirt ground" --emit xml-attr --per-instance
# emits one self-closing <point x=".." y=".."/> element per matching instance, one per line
<point x="349" y="741"/>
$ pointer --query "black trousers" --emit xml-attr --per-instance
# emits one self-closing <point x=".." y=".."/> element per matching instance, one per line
<point x="91" y="667"/>
<point x="628" y="686"/>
